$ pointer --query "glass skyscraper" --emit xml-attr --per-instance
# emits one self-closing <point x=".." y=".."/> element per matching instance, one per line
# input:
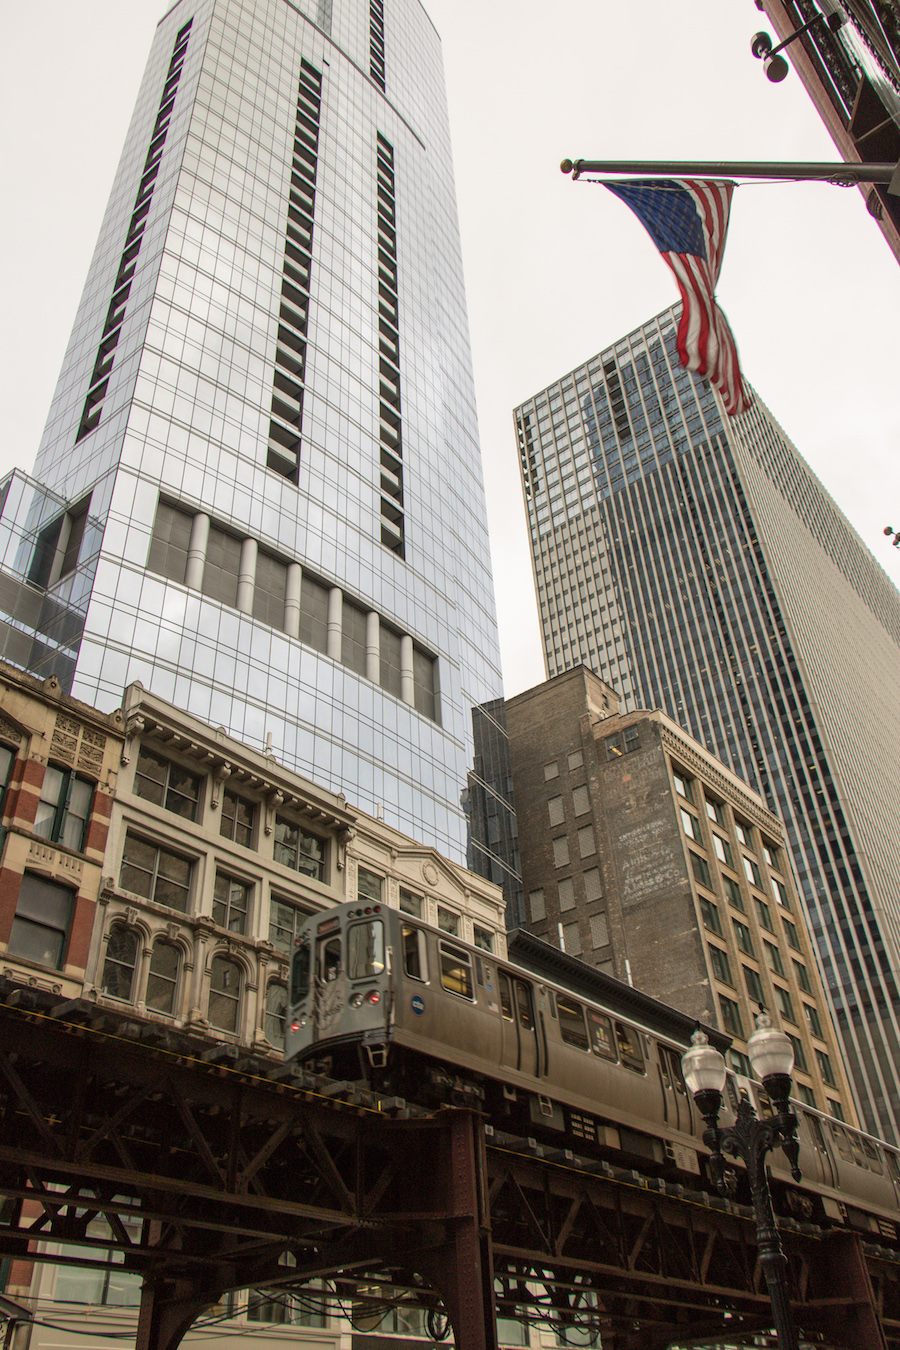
<point x="697" y="565"/>
<point x="264" y="431"/>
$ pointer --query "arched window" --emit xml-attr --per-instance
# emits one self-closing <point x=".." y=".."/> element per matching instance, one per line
<point x="276" y="1013"/>
<point x="121" y="959"/>
<point x="162" y="982"/>
<point x="225" y="994"/>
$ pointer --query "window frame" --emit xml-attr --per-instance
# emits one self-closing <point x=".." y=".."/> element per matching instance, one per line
<point x="61" y="811"/>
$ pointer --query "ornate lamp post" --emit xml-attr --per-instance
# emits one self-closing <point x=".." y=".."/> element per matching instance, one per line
<point x="772" y="1058"/>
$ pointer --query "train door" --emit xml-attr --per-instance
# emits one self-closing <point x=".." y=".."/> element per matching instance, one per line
<point x="330" y="984"/>
<point x="827" y="1171"/>
<point x="676" y="1103"/>
<point x="519" y="1046"/>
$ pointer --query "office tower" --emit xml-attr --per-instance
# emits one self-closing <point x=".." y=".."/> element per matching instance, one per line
<point x="650" y="860"/>
<point x="491" y="809"/>
<point x="852" y="74"/>
<point x="698" y="566"/>
<point x="264" y="430"/>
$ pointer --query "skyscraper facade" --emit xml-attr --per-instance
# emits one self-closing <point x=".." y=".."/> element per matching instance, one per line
<point x="698" y="566"/>
<point x="266" y="410"/>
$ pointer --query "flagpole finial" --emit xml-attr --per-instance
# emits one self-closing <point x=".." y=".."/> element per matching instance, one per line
<point x="567" y="166"/>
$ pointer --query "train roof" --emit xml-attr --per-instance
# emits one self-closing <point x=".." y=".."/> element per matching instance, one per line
<point x="549" y="963"/>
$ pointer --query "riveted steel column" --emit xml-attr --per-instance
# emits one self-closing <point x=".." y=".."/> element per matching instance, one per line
<point x="843" y="1283"/>
<point x="168" y="1309"/>
<point x="462" y="1270"/>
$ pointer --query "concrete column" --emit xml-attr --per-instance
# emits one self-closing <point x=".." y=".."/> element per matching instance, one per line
<point x="292" y="600"/>
<point x="335" y="608"/>
<point x="407" y="682"/>
<point x="373" y="648"/>
<point x="247" y="576"/>
<point x="196" y="559"/>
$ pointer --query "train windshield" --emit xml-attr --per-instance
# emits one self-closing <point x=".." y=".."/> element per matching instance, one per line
<point x="300" y="974"/>
<point x="365" y="950"/>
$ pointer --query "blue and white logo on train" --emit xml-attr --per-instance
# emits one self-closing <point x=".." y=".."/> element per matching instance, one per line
<point x="417" y="1003"/>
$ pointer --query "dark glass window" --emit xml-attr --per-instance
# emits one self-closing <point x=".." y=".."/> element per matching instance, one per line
<point x="733" y="892"/>
<point x="225" y="987"/>
<point x="764" y="914"/>
<point x="721" y="968"/>
<point x="571" y="1023"/>
<point x="231" y="902"/>
<point x="791" y="934"/>
<point x="155" y="873"/>
<point x="743" y="937"/>
<point x="803" y="977"/>
<point x="365" y="950"/>
<point x="237" y="819"/>
<point x="369" y="885"/>
<point x="297" y="848"/>
<point x="167" y="784"/>
<point x="64" y="808"/>
<point x="414" y="952"/>
<point x="754" y="985"/>
<point x="276" y="1013"/>
<point x="773" y="958"/>
<point x="314" y="614"/>
<point x="222" y="567"/>
<point x="812" y="1020"/>
<point x="121" y="958"/>
<point x="390" y="660"/>
<point x="40" y="928"/>
<point x="785" y="1004"/>
<point x="423" y="681"/>
<point x="714" y="811"/>
<point x="170" y="543"/>
<point x="629" y="1043"/>
<point x="456" y="970"/>
<point x="162" y="982"/>
<point x="701" y="870"/>
<point x="353" y="637"/>
<point x="284" y="924"/>
<point x="270" y="590"/>
<point x="710" y="913"/>
<point x="731" y="1016"/>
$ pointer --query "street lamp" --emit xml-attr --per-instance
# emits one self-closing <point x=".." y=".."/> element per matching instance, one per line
<point x="772" y="1059"/>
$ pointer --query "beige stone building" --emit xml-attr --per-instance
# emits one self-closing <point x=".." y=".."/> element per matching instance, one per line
<point x="647" y="857"/>
<point x="215" y="855"/>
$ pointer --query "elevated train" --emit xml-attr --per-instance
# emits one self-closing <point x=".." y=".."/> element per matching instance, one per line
<point x="376" y="994"/>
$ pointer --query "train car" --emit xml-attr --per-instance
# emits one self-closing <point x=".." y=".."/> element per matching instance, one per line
<point x="379" y="995"/>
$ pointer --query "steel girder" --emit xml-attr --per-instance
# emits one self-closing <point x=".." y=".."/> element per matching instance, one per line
<point x="228" y="1170"/>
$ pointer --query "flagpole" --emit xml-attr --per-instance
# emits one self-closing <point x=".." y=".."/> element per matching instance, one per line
<point x="821" y="173"/>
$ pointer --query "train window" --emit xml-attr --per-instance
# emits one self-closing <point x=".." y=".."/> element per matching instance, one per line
<point x="630" y="1052"/>
<point x="571" y="1023"/>
<point x="873" y="1156"/>
<point x="300" y="974"/>
<point x="671" y="1067"/>
<point x="839" y="1135"/>
<point x="602" y="1041"/>
<point x="456" y="970"/>
<point x="506" y="997"/>
<point x="414" y="958"/>
<point x="524" y="1005"/>
<point x="815" y="1128"/>
<point x="330" y="958"/>
<point x="893" y="1164"/>
<point x="365" y="950"/>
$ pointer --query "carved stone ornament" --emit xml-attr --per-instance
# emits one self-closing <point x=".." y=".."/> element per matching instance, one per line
<point x="134" y="726"/>
<point x="430" y="873"/>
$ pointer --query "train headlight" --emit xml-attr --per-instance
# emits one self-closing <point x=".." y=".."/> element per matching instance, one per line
<point x="373" y="996"/>
<point x="356" y="1000"/>
<point x="300" y="1022"/>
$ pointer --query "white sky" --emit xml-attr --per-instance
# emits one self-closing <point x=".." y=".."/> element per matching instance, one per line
<point x="555" y="271"/>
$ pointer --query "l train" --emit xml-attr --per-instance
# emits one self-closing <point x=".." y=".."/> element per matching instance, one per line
<point x="380" y="995"/>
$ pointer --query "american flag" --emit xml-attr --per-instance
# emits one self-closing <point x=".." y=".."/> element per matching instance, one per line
<point x="688" y="220"/>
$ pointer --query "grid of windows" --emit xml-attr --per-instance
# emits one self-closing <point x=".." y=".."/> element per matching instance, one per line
<point x="299" y="848"/>
<point x="115" y="314"/>
<point x="220" y="568"/>
<point x="236" y="821"/>
<point x="393" y="527"/>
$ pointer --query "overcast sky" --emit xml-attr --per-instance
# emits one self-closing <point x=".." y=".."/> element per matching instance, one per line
<point x="555" y="270"/>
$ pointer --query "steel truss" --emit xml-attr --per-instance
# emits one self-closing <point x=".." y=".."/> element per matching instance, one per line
<point x="225" y="1168"/>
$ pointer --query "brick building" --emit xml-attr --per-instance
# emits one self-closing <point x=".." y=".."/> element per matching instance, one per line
<point x="648" y="858"/>
<point x="59" y="762"/>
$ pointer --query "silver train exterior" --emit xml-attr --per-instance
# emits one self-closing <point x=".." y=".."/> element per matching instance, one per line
<point x="379" y="995"/>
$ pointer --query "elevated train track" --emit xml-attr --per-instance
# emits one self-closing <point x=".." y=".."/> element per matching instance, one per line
<point x="229" y="1164"/>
